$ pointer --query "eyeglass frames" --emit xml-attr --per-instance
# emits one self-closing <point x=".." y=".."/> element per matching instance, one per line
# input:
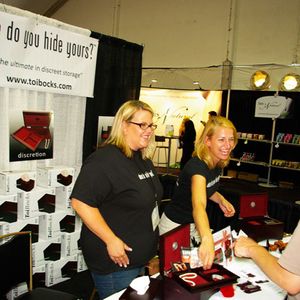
<point x="144" y="126"/>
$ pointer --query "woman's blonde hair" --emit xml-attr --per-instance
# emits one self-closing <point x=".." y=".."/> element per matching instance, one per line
<point x="201" y="149"/>
<point x="125" y="114"/>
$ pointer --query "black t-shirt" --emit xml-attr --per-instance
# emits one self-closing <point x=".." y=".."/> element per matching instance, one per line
<point x="179" y="210"/>
<point x="125" y="191"/>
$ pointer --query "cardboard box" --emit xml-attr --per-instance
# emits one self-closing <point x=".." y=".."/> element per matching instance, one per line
<point x="69" y="243"/>
<point x="31" y="224"/>
<point x="61" y="270"/>
<point x="55" y="176"/>
<point x="38" y="276"/>
<point x="49" y="224"/>
<point x="45" y="250"/>
<point x="52" y="225"/>
<point x="63" y="201"/>
<point x="8" y="208"/>
<point x="17" y="291"/>
<point x="35" y="203"/>
<point x="15" y="182"/>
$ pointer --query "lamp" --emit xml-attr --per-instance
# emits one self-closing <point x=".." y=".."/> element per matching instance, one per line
<point x="260" y="80"/>
<point x="289" y="82"/>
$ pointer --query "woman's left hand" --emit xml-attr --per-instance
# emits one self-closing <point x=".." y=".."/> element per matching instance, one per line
<point x="227" y="208"/>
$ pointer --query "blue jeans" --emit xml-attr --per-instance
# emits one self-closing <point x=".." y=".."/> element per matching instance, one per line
<point x="111" y="283"/>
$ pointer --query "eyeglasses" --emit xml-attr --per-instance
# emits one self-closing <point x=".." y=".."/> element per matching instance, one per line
<point x="144" y="126"/>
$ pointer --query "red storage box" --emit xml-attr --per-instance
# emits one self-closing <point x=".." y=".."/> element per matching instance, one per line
<point x="169" y="252"/>
<point x="255" y="222"/>
<point x="170" y="244"/>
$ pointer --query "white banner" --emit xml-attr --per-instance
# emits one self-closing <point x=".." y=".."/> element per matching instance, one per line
<point x="40" y="57"/>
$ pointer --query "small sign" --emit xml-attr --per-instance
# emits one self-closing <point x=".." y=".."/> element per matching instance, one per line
<point x="272" y="107"/>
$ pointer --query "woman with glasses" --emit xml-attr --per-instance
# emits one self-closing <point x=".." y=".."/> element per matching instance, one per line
<point x="116" y="195"/>
<point x="198" y="182"/>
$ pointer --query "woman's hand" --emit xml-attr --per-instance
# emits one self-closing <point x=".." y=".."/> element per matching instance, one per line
<point x="206" y="251"/>
<point x="117" y="252"/>
<point x="227" y="208"/>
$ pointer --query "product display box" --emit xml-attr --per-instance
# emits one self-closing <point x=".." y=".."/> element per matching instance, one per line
<point x="198" y="279"/>
<point x="254" y="220"/>
<point x="63" y="201"/>
<point x="31" y="224"/>
<point x="46" y="250"/>
<point x="61" y="270"/>
<point x="17" y="291"/>
<point x="170" y="245"/>
<point x="35" y="130"/>
<point x="8" y="208"/>
<point x="52" y="225"/>
<point x="173" y="265"/>
<point x="69" y="243"/>
<point x="15" y="182"/>
<point x="55" y="176"/>
<point x="35" y="203"/>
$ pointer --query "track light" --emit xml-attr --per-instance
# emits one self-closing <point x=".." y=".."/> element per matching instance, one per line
<point x="260" y="80"/>
<point x="290" y="82"/>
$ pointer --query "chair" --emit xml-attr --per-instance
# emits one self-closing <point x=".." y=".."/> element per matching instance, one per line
<point x="160" y="146"/>
<point x="16" y="268"/>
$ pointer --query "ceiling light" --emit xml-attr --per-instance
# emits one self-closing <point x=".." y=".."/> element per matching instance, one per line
<point x="290" y="82"/>
<point x="260" y="80"/>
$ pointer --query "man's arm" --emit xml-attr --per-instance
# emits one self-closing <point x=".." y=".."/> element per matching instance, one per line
<point x="246" y="247"/>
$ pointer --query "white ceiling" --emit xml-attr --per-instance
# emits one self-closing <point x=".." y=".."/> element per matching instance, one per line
<point x="41" y="7"/>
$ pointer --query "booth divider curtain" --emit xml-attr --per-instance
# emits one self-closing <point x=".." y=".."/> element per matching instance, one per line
<point x="117" y="79"/>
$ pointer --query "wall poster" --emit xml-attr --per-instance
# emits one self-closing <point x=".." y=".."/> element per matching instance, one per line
<point x="31" y="135"/>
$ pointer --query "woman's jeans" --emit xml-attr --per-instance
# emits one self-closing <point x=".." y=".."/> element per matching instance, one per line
<point x="111" y="283"/>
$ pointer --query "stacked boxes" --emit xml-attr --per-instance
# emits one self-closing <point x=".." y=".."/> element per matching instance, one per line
<point x="38" y="201"/>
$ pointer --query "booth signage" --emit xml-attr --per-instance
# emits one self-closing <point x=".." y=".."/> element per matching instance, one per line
<point x="272" y="107"/>
<point x="40" y="57"/>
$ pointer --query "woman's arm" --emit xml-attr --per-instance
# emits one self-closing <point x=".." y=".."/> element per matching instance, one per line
<point x="206" y="250"/>
<point x="224" y="204"/>
<point x="95" y="222"/>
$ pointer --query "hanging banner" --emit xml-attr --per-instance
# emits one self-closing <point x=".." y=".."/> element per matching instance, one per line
<point x="40" y="57"/>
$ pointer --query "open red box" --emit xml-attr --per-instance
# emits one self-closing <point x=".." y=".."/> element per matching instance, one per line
<point x="255" y="222"/>
<point x="202" y="282"/>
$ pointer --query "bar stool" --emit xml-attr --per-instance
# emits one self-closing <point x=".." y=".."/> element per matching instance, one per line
<point x="160" y="146"/>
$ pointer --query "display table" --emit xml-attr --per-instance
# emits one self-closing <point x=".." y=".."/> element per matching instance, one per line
<point x="242" y="267"/>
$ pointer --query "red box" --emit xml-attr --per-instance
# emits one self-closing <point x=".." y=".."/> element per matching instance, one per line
<point x="253" y="205"/>
<point x="35" y="131"/>
<point x="170" y="245"/>
<point x="253" y="211"/>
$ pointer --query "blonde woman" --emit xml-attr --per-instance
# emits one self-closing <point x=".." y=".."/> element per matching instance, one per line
<point x="199" y="181"/>
<point x="116" y="196"/>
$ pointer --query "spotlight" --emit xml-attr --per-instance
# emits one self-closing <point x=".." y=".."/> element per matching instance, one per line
<point x="260" y="80"/>
<point x="290" y="82"/>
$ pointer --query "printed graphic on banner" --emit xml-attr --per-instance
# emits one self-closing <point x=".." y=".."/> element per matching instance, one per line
<point x="104" y="129"/>
<point x="40" y="57"/>
<point x="31" y="135"/>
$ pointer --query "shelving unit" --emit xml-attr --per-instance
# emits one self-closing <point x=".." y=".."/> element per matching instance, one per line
<point x="268" y="163"/>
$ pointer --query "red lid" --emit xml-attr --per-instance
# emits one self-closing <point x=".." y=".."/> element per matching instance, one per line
<point x="36" y="119"/>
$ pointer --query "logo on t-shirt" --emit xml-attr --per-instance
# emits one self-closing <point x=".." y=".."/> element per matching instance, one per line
<point x="146" y="175"/>
<point x="213" y="182"/>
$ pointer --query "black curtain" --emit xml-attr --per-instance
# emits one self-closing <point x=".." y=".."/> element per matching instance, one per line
<point x="117" y="79"/>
